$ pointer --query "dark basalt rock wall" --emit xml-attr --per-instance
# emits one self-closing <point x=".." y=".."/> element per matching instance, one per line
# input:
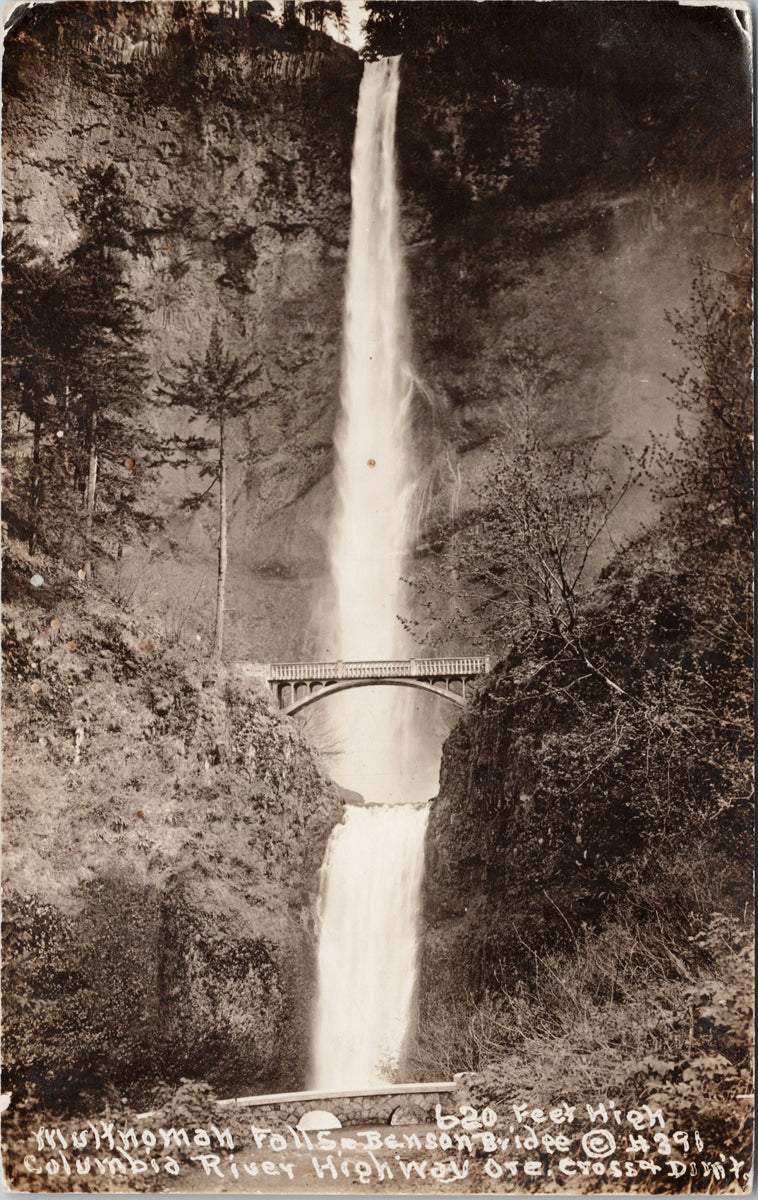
<point x="233" y="145"/>
<point x="575" y="797"/>
<point x="563" y="170"/>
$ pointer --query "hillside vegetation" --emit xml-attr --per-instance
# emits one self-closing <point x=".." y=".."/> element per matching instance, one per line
<point x="589" y="857"/>
<point x="163" y="832"/>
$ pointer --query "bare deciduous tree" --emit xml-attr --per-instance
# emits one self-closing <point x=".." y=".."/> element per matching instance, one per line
<point x="523" y="562"/>
<point x="711" y="460"/>
<point x="215" y="388"/>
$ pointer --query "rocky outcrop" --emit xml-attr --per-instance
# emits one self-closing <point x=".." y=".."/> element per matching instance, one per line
<point x="575" y="796"/>
<point x="563" y="173"/>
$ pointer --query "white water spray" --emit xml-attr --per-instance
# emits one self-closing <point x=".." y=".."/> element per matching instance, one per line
<point x="367" y="951"/>
<point x="372" y="874"/>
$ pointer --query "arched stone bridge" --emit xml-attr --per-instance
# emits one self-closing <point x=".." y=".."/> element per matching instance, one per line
<point x="295" y="685"/>
<point x="385" y="1104"/>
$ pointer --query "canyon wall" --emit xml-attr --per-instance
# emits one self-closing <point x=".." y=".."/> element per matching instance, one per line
<point x="553" y="206"/>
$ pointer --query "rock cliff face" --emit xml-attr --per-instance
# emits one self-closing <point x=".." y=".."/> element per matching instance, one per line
<point x="234" y="148"/>
<point x="555" y="219"/>
<point x="581" y="815"/>
<point x="558" y="196"/>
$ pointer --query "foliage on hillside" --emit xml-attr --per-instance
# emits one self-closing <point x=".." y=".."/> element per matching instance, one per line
<point x="589" y="865"/>
<point x="74" y="374"/>
<point x="163" y="834"/>
<point x="566" y="784"/>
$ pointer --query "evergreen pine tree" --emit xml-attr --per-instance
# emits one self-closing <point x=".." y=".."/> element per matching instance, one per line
<point x="102" y="354"/>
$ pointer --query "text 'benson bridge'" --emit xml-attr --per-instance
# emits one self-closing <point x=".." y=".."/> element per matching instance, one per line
<point x="296" y="685"/>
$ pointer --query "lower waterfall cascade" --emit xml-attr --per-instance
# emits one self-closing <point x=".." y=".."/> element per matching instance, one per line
<point x="371" y="886"/>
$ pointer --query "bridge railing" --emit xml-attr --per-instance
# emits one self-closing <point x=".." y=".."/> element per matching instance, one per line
<point x="379" y="669"/>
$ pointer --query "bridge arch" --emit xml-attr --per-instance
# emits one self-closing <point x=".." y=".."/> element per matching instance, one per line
<point x="297" y="685"/>
<point x="346" y="684"/>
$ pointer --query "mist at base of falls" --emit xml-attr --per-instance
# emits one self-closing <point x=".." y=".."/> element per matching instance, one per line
<point x="384" y="742"/>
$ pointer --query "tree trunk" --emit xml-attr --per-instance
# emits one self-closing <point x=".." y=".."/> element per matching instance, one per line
<point x="218" y="644"/>
<point x="91" y="491"/>
<point x="66" y="403"/>
<point x="35" y="483"/>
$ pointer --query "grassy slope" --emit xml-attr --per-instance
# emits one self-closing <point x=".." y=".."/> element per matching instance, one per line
<point x="157" y="884"/>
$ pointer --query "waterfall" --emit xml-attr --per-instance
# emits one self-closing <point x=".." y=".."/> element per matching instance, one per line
<point x="371" y="882"/>
<point x="372" y="874"/>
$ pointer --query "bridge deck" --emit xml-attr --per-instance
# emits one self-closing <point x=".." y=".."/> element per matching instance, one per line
<point x="408" y="668"/>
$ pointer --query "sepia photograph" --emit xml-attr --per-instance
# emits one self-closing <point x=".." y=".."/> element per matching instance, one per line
<point x="377" y="597"/>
